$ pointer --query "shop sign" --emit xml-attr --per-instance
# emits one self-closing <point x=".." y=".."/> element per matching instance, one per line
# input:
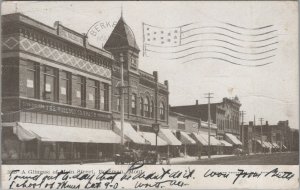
<point x="53" y="108"/>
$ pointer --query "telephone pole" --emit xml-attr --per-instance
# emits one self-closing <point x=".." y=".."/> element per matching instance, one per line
<point x="122" y="98"/>
<point x="209" y="96"/>
<point x="261" y="132"/>
<point x="242" y="113"/>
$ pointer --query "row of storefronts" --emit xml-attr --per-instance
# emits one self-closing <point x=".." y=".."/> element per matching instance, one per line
<point x="62" y="100"/>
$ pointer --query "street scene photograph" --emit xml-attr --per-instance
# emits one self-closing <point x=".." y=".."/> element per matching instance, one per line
<point x="157" y="83"/>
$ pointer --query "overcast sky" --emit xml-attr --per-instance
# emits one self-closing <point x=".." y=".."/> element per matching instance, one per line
<point x="270" y="91"/>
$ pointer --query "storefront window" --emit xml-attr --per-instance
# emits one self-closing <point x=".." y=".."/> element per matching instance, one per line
<point x="50" y="83"/>
<point x="133" y="104"/>
<point x="49" y="151"/>
<point x="79" y="96"/>
<point x="64" y="87"/>
<point x="162" y="111"/>
<point x="91" y="94"/>
<point x="31" y="80"/>
<point x="147" y="107"/>
<point x="64" y="151"/>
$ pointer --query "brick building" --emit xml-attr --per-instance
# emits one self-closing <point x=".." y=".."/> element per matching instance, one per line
<point x="56" y="91"/>
<point x="278" y="137"/>
<point x="146" y="100"/>
<point x="193" y="133"/>
<point x="225" y="114"/>
<point x="61" y="97"/>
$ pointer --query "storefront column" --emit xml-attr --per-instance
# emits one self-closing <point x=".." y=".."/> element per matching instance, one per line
<point x="184" y="149"/>
<point x="72" y="156"/>
<point x="38" y="149"/>
<point x="86" y="157"/>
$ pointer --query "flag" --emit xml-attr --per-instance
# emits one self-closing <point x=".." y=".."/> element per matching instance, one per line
<point x="223" y="41"/>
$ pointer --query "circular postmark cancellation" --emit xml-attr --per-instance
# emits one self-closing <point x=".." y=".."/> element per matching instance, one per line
<point x="100" y="31"/>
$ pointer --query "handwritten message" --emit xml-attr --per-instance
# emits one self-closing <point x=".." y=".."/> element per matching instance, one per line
<point x="140" y="176"/>
<point x="108" y="179"/>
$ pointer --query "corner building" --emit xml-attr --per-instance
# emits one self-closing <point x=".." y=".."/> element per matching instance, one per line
<point x="56" y="94"/>
<point x="146" y="100"/>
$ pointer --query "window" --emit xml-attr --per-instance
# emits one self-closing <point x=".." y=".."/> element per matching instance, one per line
<point x="50" y="83"/>
<point x="133" y="104"/>
<point x="162" y="111"/>
<point x="32" y="80"/>
<point x="79" y="96"/>
<point x="152" y="109"/>
<point x="147" y="107"/>
<point x="64" y="87"/>
<point x="91" y="91"/>
<point x="142" y="106"/>
<point x="104" y="96"/>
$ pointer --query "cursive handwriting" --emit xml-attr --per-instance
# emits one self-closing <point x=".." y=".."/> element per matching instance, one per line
<point x="107" y="179"/>
<point x="241" y="173"/>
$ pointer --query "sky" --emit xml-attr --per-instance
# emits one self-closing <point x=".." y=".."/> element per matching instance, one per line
<point x="270" y="92"/>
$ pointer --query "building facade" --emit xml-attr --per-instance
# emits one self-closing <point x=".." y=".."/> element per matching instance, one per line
<point x="145" y="99"/>
<point x="266" y="138"/>
<point x="225" y="114"/>
<point x="56" y="91"/>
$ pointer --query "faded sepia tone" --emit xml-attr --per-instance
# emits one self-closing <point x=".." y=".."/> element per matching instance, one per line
<point x="151" y="83"/>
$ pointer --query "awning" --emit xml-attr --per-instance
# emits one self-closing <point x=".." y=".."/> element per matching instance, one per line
<point x="168" y="136"/>
<point x="264" y="145"/>
<point x="268" y="144"/>
<point x="275" y="145"/>
<point x="129" y="133"/>
<point x="151" y="137"/>
<point x="200" y="138"/>
<point x="225" y="143"/>
<point x="54" y="133"/>
<point x="233" y="139"/>
<point x="186" y="139"/>
<point x="203" y="139"/>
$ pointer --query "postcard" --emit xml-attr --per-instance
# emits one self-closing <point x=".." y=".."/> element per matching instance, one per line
<point x="149" y="95"/>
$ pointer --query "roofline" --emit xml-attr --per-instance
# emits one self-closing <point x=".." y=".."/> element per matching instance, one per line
<point x="102" y="52"/>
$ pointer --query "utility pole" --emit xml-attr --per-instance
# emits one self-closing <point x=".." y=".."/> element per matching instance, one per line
<point x="261" y="132"/>
<point x="122" y="99"/>
<point x="242" y="113"/>
<point x="208" y="98"/>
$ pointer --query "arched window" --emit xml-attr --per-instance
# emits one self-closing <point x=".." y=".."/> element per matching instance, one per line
<point x="142" y="106"/>
<point x="162" y="111"/>
<point x="133" y="104"/>
<point x="152" y="109"/>
<point x="147" y="107"/>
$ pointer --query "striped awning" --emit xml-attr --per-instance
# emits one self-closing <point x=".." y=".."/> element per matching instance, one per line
<point x="186" y="139"/>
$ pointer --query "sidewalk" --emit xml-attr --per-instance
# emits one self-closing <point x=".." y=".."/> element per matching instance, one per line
<point x="172" y="160"/>
<point x="194" y="158"/>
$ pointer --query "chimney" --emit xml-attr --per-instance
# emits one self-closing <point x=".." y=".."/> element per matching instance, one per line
<point x="267" y="123"/>
<point x="250" y="123"/>
<point x="197" y="102"/>
<point x="166" y="82"/>
<point x="155" y="74"/>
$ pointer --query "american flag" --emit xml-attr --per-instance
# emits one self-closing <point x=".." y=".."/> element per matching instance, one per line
<point x="223" y="41"/>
